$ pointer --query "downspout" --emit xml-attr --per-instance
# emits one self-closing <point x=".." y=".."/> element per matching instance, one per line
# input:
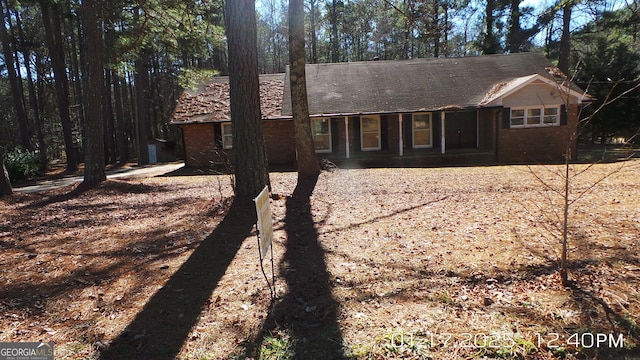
<point x="477" y="129"/>
<point x="400" y="140"/>
<point x="184" y="146"/>
<point x="497" y="125"/>
<point x="443" y="115"/>
<point x="346" y="132"/>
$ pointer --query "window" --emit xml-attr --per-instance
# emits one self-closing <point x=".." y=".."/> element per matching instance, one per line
<point x="370" y="133"/>
<point x="551" y="116"/>
<point x="227" y="136"/>
<point x="535" y="117"/>
<point x="422" y="130"/>
<point x="321" y="131"/>
<point x="517" y="117"/>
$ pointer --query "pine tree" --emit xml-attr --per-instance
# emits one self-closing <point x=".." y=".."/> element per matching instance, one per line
<point x="250" y="156"/>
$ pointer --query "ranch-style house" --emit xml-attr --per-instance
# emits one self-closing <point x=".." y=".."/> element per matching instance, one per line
<point x="515" y="108"/>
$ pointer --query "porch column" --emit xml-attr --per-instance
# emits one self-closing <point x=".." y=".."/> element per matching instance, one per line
<point x="477" y="129"/>
<point x="442" y="132"/>
<point x="400" y="140"/>
<point x="346" y="135"/>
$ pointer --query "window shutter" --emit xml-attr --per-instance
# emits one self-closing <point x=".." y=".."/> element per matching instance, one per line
<point x="384" y="133"/>
<point x="435" y="128"/>
<point x="563" y="115"/>
<point x="407" y="120"/>
<point x="335" y="139"/>
<point x="217" y="135"/>
<point x="506" y="118"/>
<point x="355" y="120"/>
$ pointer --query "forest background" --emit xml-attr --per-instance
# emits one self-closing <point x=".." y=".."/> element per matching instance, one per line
<point x="150" y="50"/>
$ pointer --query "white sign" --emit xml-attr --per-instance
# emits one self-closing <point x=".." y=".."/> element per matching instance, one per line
<point x="265" y="225"/>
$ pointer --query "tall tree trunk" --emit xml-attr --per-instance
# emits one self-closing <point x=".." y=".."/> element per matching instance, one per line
<point x="77" y="61"/>
<point x="142" y="106"/>
<point x="250" y="156"/>
<point x="5" y="182"/>
<point x="131" y="115"/>
<point x="445" y="28"/>
<point x="565" y="39"/>
<point x="53" y="38"/>
<point x="514" y="38"/>
<point x="109" y="128"/>
<point x="312" y="31"/>
<point x="406" y="46"/>
<point x="436" y="28"/>
<point x="335" y="40"/>
<point x="273" y="45"/>
<point x="33" y="101"/>
<point x="307" y="161"/>
<point x="15" y="81"/>
<point x="156" y="82"/>
<point x="41" y="95"/>
<point x="121" y="126"/>
<point x="77" y="52"/>
<point x="94" y="148"/>
<point x="490" y="42"/>
<point x="548" y="38"/>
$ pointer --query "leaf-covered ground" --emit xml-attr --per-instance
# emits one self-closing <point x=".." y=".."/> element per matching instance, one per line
<point x="442" y="263"/>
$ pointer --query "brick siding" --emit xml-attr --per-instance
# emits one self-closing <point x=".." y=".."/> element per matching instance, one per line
<point x="537" y="145"/>
<point x="279" y="139"/>
<point x="201" y="151"/>
<point x="522" y="145"/>
<point x="199" y="145"/>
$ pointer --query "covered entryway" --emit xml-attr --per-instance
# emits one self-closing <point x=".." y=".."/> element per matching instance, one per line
<point x="461" y="130"/>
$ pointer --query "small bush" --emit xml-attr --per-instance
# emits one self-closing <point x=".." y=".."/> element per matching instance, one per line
<point x="21" y="164"/>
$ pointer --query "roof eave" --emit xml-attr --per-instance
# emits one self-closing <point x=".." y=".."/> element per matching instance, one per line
<point x="496" y="99"/>
<point x="211" y="121"/>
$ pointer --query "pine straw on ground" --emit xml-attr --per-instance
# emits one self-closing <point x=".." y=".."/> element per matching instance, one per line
<point x="442" y="263"/>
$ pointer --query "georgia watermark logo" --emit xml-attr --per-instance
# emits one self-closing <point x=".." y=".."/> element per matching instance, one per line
<point x="26" y="351"/>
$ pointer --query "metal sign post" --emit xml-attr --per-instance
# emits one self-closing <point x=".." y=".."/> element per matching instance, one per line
<point x="265" y="235"/>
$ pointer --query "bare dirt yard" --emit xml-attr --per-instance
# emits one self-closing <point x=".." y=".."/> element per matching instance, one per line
<point x="438" y="263"/>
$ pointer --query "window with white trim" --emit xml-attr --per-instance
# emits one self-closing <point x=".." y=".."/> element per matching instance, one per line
<point x="321" y="131"/>
<point x="551" y="116"/>
<point x="227" y="135"/>
<point x="535" y="117"/>
<point x="370" y="132"/>
<point x="422" y="136"/>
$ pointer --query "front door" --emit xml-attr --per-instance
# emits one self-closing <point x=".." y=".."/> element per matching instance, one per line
<point x="461" y="130"/>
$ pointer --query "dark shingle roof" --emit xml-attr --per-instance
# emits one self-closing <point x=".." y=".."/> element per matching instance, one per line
<point x="210" y="101"/>
<point x="411" y="85"/>
<point x="375" y="87"/>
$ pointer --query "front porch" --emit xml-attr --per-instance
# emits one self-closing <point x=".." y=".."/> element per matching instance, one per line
<point x="411" y="158"/>
<point x="441" y="138"/>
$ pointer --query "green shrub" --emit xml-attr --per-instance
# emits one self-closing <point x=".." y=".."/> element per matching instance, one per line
<point x="21" y="164"/>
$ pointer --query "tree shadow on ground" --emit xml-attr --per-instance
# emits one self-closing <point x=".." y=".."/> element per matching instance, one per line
<point x="79" y="189"/>
<point x="161" y="328"/>
<point x="308" y="312"/>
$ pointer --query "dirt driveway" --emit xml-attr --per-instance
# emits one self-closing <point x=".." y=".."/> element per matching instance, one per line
<point x="126" y="172"/>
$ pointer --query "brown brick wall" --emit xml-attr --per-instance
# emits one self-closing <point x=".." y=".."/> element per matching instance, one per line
<point x="199" y="145"/>
<point x="488" y="118"/>
<point x="532" y="145"/>
<point x="279" y="140"/>
<point x="201" y="152"/>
